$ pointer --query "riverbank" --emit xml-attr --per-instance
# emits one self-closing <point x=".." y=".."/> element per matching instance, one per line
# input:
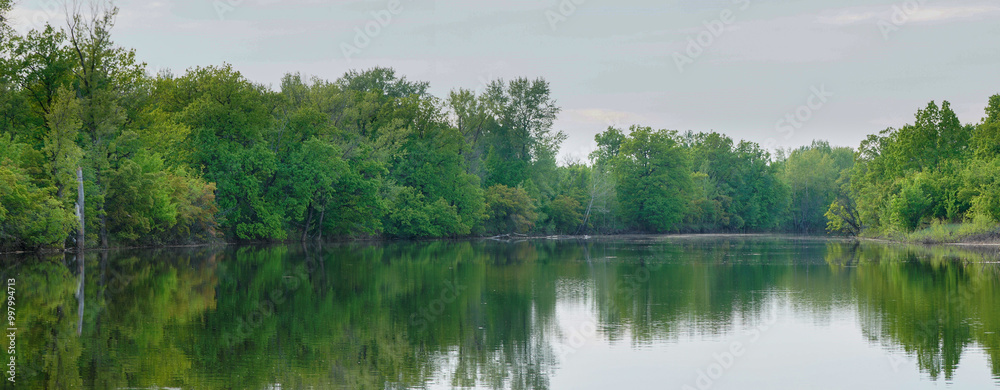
<point x="980" y="234"/>
<point x="955" y="234"/>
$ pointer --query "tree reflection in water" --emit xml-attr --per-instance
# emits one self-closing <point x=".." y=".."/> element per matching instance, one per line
<point x="468" y="314"/>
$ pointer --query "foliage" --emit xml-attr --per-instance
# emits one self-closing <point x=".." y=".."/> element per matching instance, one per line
<point x="521" y="135"/>
<point x="740" y="187"/>
<point x="509" y="210"/>
<point x="932" y="172"/>
<point x="194" y="200"/>
<point x="62" y="153"/>
<point x="811" y="174"/>
<point x="565" y="213"/>
<point x="139" y="201"/>
<point x="209" y="154"/>
<point x="653" y="176"/>
<point x="30" y="217"/>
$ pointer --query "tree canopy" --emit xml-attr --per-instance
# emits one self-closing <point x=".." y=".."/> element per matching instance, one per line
<point x="211" y="155"/>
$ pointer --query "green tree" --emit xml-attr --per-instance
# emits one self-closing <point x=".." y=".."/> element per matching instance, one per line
<point x="194" y="200"/>
<point x="742" y="189"/>
<point x="986" y="139"/>
<point x="229" y="118"/>
<point x="653" y="178"/>
<point x="565" y="214"/>
<point x="811" y="175"/>
<point x="910" y="205"/>
<point x="433" y="164"/>
<point x="108" y="81"/>
<point x="62" y="153"/>
<point x="139" y="200"/>
<point x="305" y="182"/>
<point x="30" y="217"/>
<point x="473" y="121"/>
<point x="40" y="64"/>
<point x="524" y="113"/>
<point x="5" y="7"/>
<point x="509" y="210"/>
<point x="904" y="177"/>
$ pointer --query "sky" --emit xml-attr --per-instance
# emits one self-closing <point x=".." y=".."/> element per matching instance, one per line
<point x="781" y="73"/>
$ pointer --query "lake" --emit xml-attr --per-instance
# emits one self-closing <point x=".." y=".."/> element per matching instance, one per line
<point x="643" y="312"/>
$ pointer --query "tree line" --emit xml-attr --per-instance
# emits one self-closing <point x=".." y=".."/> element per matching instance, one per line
<point x="933" y="172"/>
<point x="211" y="155"/>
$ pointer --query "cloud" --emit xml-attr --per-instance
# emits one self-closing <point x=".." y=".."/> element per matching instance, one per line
<point x="583" y="123"/>
<point x="24" y="19"/>
<point x="941" y="14"/>
<point x="845" y="17"/>
<point x="602" y="116"/>
<point x="912" y="11"/>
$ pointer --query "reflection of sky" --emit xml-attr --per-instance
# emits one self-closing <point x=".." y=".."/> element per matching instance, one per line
<point x="610" y="62"/>
<point x="796" y="352"/>
<point x="795" y="347"/>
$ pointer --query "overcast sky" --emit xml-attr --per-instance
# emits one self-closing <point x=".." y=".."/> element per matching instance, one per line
<point x="777" y="72"/>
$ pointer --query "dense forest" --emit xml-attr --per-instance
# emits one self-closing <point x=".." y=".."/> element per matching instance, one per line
<point x="209" y="155"/>
<point x="934" y="172"/>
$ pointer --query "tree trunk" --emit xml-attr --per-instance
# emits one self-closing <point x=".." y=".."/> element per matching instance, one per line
<point x="586" y="218"/>
<point x="305" y="231"/>
<point x="79" y="209"/>
<point x="322" y="214"/>
<point x="103" y="232"/>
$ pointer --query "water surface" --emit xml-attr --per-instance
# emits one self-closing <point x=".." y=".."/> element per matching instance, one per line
<point x="709" y="312"/>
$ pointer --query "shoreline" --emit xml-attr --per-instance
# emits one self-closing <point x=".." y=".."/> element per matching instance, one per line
<point x="984" y="239"/>
<point x="988" y="240"/>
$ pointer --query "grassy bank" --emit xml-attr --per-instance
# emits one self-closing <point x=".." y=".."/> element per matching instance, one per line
<point x="977" y="232"/>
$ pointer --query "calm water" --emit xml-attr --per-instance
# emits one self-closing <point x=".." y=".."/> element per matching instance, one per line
<point x="640" y="313"/>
